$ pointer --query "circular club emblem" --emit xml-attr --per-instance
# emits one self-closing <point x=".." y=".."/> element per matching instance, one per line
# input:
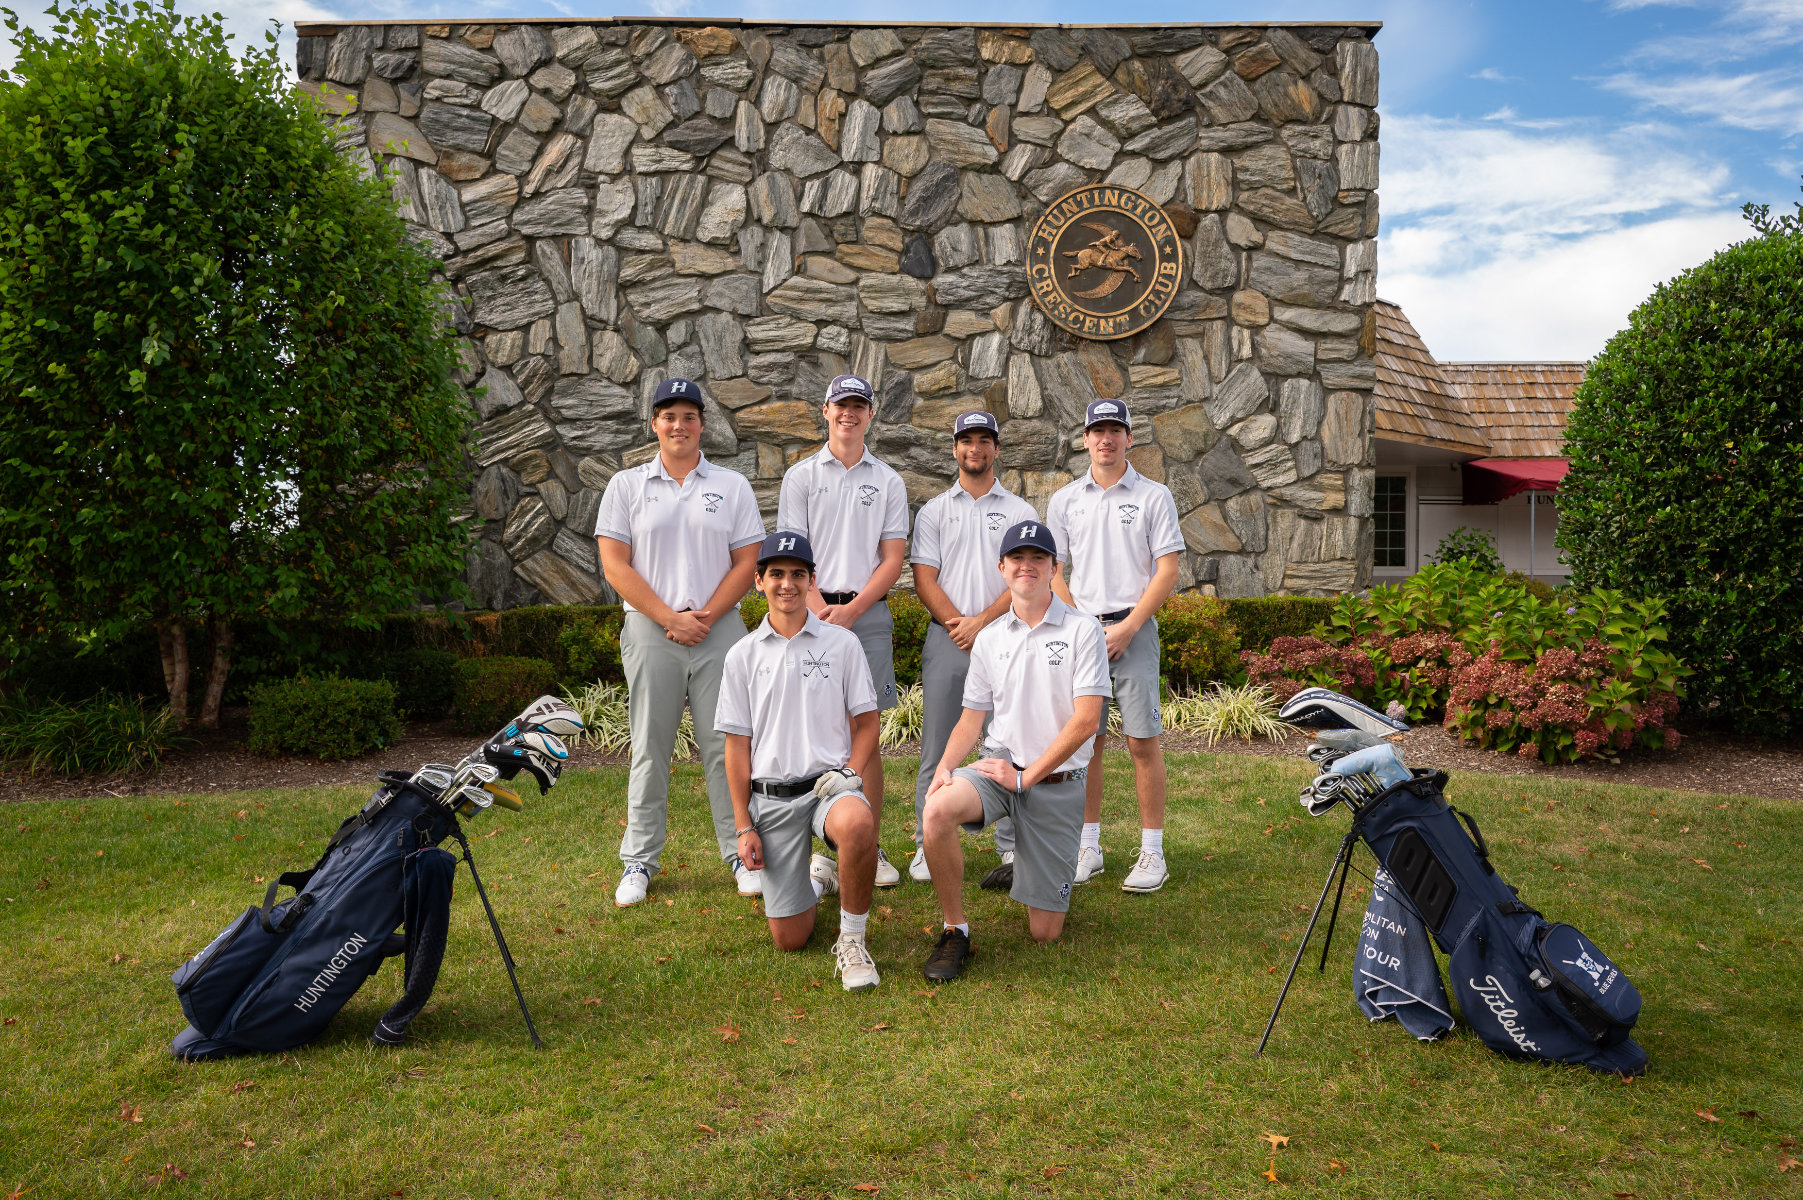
<point x="1104" y="262"/>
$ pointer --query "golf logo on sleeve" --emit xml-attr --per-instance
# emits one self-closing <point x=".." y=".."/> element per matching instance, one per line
<point x="996" y="520"/>
<point x="1128" y="512"/>
<point x="867" y="494"/>
<point x="1054" y="653"/>
<point x="712" y="500"/>
<point x="810" y="665"/>
<point x="1064" y="893"/>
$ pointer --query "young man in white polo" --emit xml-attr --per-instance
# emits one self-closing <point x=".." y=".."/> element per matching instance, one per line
<point x="1040" y="674"/>
<point x="1118" y="530"/>
<point x="854" y="510"/>
<point x="957" y="543"/>
<point x="796" y="706"/>
<point x="678" y="539"/>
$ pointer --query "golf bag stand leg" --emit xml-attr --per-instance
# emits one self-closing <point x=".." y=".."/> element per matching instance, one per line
<point x="500" y="941"/>
<point x="1341" y="862"/>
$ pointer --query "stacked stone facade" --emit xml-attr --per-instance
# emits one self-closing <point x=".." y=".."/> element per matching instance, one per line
<point x="762" y="206"/>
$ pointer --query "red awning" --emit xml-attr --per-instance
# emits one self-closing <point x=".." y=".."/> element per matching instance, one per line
<point x="1489" y="480"/>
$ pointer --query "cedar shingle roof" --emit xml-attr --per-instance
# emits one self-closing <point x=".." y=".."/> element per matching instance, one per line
<point x="1521" y="407"/>
<point x="1415" y="400"/>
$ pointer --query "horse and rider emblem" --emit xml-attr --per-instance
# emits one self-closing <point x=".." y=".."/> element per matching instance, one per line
<point x="1104" y="262"/>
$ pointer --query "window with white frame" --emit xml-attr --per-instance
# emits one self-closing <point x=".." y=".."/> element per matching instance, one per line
<point x="1390" y="522"/>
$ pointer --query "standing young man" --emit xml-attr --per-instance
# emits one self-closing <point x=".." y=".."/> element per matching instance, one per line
<point x="1119" y="532"/>
<point x="678" y="539"/>
<point x="796" y="706"/>
<point x="854" y="510"/>
<point x="1043" y="670"/>
<point x="957" y="543"/>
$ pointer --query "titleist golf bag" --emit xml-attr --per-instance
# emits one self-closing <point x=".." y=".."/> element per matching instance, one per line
<point x="277" y="975"/>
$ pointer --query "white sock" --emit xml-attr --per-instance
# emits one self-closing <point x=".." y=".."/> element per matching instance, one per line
<point x="963" y="929"/>
<point x="1151" y="839"/>
<point x="819" y="888"/>
<point x="1092" y="835"/>
<point x="852" y="924"/>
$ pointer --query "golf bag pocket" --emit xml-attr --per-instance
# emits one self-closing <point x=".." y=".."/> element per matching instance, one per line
<point x="1394" y="972"/>
<point x="1592" y="989"/>
<point x="209" y="983"/>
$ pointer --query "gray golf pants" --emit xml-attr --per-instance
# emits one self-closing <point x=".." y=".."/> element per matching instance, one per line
<point x="660" y="676"/>
<point x="942" y="670"/>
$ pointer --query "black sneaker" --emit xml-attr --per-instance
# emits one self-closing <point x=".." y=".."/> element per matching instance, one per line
<point x="1001" y="878"/>
<point x="947" y="959"/>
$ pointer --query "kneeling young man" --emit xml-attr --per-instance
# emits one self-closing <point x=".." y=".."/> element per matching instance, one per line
<point x="796" y="706"/>
<point x="1041" y="673"/>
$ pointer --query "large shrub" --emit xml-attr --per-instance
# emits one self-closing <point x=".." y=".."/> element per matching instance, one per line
<point x="1199" y="643"/>
<point x="1686" y="447"/>
<point x="226" y="371"/>
<point x="329" y="718"/>
<point x="490" y="691"/>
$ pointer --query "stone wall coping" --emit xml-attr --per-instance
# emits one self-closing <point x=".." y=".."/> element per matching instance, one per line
<point x="328" y="28"/>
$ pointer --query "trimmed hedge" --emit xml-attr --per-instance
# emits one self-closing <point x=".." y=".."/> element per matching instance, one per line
<point x="490" y="691"/>
<point x="425" y="681"/>
<point x="328" y="718"/>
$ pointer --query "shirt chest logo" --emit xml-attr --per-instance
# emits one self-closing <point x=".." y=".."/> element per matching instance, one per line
<point x="712" y="500"/>
<point x="1128" y="512"/>
<point x="867" y="494"/>
<point x="995" y="520"/>
<point x="809" y="666"/>
<point x="1054" y="653"/>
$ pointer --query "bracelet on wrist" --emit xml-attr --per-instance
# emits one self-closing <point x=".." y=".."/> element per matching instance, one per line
<point x="744" y="831"/>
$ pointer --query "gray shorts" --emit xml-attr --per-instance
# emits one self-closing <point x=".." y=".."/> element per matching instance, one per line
<point x="876" y="633"/>
<point x="1136" y="684"/>
<point x="788" y="829"/>
<point x="1048" y="823"/>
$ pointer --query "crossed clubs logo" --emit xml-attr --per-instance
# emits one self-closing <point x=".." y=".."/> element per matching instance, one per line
<point x="1128" y="513"/>
<point x="810" y="665"/>
<point x="1054" y="653"/>
<point x="712" y="500"/>
<point x="867" y="494"/>
<point x="995" y="520"/>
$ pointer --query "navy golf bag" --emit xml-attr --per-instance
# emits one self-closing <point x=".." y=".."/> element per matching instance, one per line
<point x="1529" y="987"/>
<point x="278" y="974"/>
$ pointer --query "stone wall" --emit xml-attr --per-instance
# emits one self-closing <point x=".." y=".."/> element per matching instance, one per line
<point x="762" y="206"/>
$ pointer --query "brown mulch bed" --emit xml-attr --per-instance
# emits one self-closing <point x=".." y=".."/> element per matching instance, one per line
<point x="218" y="762"/>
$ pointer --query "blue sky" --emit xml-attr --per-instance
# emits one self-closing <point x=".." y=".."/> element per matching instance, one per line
<point x="1545" y="162"/>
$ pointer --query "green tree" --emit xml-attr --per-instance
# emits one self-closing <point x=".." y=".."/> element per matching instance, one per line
<point x="225" y="373"/>
<point x="1686" y="448"/>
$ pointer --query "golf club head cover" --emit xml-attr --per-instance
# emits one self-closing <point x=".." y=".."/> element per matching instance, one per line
<point x="548" y="714"/>
<point x="1329" y="709"/>
<point x="540" y="755"/>
<point x="837" y="782"/>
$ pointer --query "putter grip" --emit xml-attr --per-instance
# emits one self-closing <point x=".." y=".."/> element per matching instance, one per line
<point x="505" y="797"/>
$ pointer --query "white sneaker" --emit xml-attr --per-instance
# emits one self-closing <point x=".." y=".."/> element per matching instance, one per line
<point x="886" y="874"/>
<point x="854" y="965"/>
<point x="633" y="885"/>
<point x="1148" y="874"/>
<point x="917" y="870"/>
<point x="1089" y="863"/>
<point x="751" y="883"/>
<point x="827" y="872"/>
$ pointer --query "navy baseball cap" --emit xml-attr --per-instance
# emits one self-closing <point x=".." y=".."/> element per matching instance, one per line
<point x="786" y="545"/>
<point x="1029" y="534"/>
<point x="670" y="391"/>
<point x="1106" y="410"/>
<point x="849" y="387"/>
<point x="976" y="420"/>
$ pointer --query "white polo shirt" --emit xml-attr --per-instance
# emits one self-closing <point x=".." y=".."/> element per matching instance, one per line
<point x="794" y="698"/>
<point x="682" y="535"/>
<point x="1031" y="676"/>
<point x="1113" y="537"/>
<point x="844" y="513"/>
<point x="961" y="535"/>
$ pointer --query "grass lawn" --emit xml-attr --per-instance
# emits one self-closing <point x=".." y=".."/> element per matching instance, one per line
<point x="685" y="1057"/>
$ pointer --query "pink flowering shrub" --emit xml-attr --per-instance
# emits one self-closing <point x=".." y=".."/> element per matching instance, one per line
<point x="1294" y="663"/>
<point x="1564" y="706"/>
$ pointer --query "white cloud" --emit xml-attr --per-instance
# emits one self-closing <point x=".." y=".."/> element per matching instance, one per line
<point x="1492" y="75"/>
<point x="1770" y="101"/>
<point x="1505" y="113"/>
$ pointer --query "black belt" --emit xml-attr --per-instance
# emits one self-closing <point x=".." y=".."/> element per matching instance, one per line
<point x="1056" y="776"/>
<point x="838" y="597"/>
<point x="784" y="791"/>
<point x="1114" y="618"/>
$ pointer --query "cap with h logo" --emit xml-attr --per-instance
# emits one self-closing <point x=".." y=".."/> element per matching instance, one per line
<point x="1106" y="410"/>
<point x="1029" y="535"/>
<point x="670" y="391"/>
<point x="977" y="420"/>
<point x="786" y="545"/>
<point x="849" y="387"/>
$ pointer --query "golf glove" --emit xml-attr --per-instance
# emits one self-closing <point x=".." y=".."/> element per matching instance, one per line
<point x="837" y="782"/>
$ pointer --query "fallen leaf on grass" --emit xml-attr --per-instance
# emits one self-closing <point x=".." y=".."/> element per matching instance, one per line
<point x="243" y="1085"/>
<point x="128" y="1112"/>
<point x="1708" y="1114"/>
<point x="788" y="1041"/>
<point x="20" y="1191"/>
<point x="885" y="910"/>
<point x="661" y="961"/>
<point x="171" y="1171"/>
<point x="1751" y="1114"/>
<point x="9" y="1021"/>
<point x="1278" y="1141"/>
<point x="869" y="1189"/>
<point x="1787" y="1163"/>
<point x="1052" y="1172"/>
<point x="728" y="1032"/>
<point x="1702" y="864"/>
<point x="705" y="1126"/>
<point x="1270" y="1172"/>
<point x="670" y="904"/>
<point x="247" y="1143"/>
<point x="1271" y="970"/>
<point x="1167" y="1005"/>
<point x="874" y="1028"/>
<point x="1017" y="1095"/>
<point x="1435" y="1145"/>
<point x="591" y="874"/>
<point x="1334" y="1164"/>
<point x="1625" y="1195"/>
